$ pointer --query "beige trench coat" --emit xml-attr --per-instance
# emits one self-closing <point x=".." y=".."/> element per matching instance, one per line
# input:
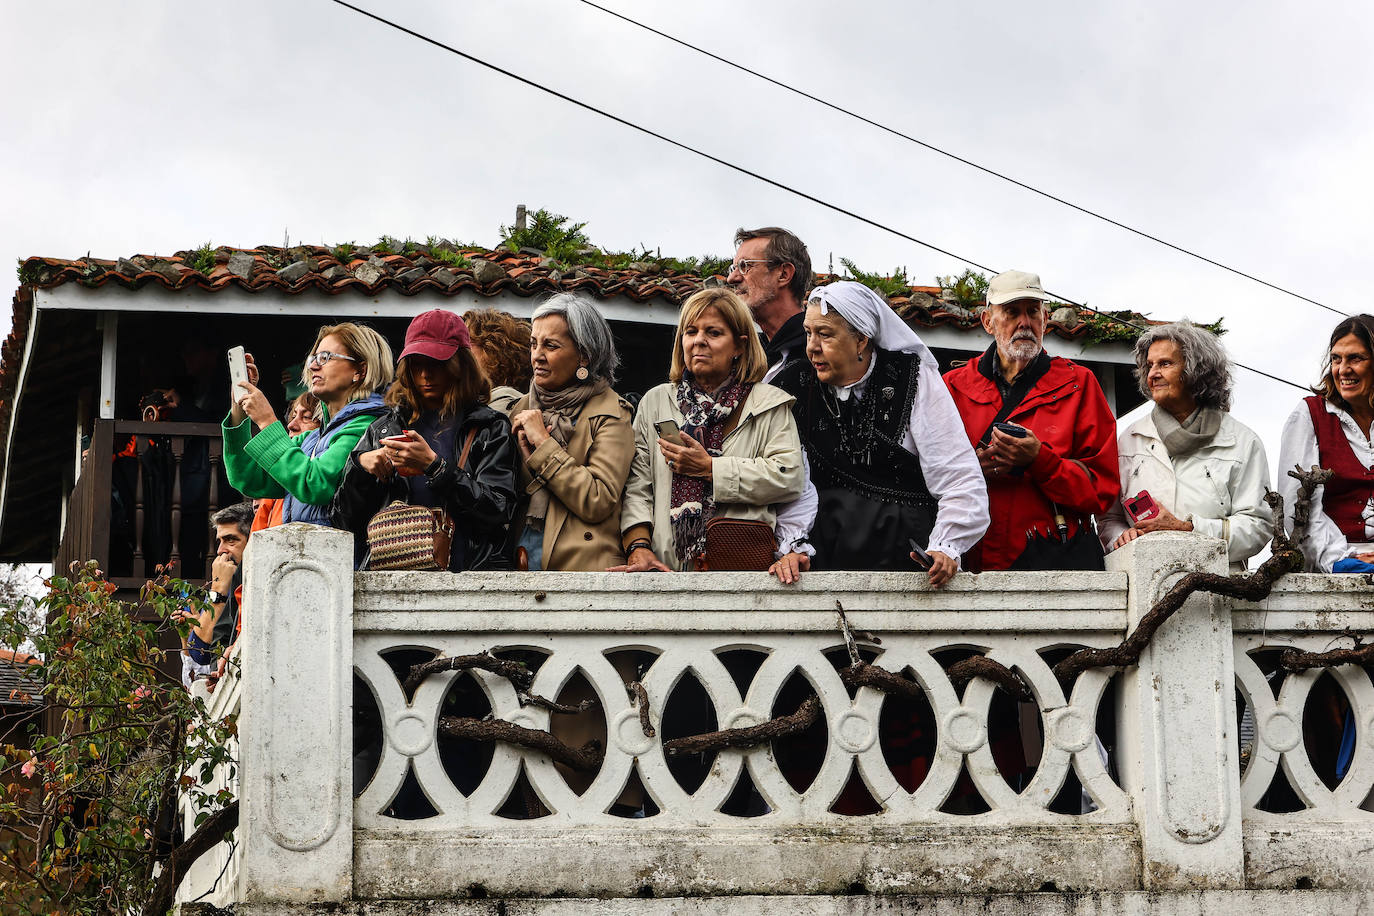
<point x="760" y="465"/>
<point x="586" y="481"/>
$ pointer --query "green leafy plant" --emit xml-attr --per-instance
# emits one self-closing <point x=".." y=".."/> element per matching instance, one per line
<point x="549" y="233"/>
<point x="450" y="257"/>
<point x="895" y="285"/>
<point x="343" y="252"/>
<point x="387" y="245"/>
<point x="86" y="810"/>
<point x="202" y="259"/>
<point x="969" y="289"/>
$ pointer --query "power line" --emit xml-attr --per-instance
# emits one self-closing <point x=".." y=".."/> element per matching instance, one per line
<point x="957" y="158"/>
<point x="738" y="168"/>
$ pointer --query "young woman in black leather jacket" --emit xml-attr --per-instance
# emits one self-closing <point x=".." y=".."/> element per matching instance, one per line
<point x="412" y="452"/>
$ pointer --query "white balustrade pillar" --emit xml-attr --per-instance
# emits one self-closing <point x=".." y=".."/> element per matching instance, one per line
<point x="1177" y="753"/>
<point x="295" y="727"/>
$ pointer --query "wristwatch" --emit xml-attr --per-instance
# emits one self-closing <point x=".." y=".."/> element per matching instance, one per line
<point x="215" y="597"/>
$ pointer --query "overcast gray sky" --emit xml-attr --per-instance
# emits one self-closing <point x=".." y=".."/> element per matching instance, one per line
<point x="1241" y="130"/>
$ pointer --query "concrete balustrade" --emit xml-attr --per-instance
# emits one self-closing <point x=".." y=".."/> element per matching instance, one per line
<point x="1184" y="817"/>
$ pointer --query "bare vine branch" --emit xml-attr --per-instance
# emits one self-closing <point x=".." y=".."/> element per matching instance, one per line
<point x="641" y="699"/>
<point x="805" y="716"/>
<point x="584" y="759"/>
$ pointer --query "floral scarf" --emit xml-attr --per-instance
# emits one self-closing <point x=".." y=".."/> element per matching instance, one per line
<point x="704" y="416"/>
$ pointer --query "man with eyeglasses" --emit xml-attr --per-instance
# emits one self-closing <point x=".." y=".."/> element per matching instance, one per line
<point x="771" y="273"/>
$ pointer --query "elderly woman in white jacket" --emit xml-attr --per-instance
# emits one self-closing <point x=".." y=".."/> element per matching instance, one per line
<point x="736" y="455"/>
<point x="1204" y="470"/>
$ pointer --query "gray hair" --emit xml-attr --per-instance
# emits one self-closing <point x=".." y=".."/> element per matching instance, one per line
<point x="1206" y="368"/>
<point x="590" y="332"/>
<point x="239" y="514"/>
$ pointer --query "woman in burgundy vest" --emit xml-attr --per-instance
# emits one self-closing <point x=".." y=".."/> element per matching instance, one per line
<point x="1331" y="429"/>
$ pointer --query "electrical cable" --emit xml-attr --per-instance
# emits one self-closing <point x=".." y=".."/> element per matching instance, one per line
<point x="960" y="159"/>
<point x="741" y="169"/>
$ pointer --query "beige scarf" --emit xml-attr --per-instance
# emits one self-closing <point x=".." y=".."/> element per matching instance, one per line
<point x="560" y="410"/>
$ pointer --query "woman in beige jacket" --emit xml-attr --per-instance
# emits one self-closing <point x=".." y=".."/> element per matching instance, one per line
<point x="575" y="438"/>
<point x="738" y="453"/>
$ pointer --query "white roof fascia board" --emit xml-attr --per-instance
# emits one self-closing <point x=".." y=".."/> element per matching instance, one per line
<point x="388" y="304"/>
<point x="14" y="407"/>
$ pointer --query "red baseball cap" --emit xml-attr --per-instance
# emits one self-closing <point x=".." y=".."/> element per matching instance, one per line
<point x="437" y="334"/>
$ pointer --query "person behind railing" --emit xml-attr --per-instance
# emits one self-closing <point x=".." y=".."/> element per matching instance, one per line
<point x="885" y="444"/>
<point x="301" y="415"/>
<point x="501" y="346"/>
<point x="735" y="453"/>
<point x="215" y="629"/>
<point x="1332" y="429"/>
<point x="771" y="272"/>
<point x="575" y="440"/>
<point x="1044" y="435"/>
<point x="345" y="368"/>
<point x="438" y="445"/>
<point x="1201" y="468"/>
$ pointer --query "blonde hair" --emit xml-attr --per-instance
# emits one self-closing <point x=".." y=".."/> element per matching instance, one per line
<point x="375" y="366"/>
<point x="752" y="362"/>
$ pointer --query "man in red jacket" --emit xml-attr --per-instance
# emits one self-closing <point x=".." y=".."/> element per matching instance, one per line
<point x="1051" y="463"/>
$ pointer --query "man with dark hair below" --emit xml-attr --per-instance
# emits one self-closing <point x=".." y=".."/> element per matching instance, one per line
<point x="771" y="272"/>
<point x="213" y="631"/>
<point x="1044" y="436"/>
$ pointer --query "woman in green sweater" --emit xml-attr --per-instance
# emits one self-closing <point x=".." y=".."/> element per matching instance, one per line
<point x="345" y="368"/>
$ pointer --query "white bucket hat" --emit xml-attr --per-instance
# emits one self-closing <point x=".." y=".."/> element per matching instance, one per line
<point x="1011" y="285"/>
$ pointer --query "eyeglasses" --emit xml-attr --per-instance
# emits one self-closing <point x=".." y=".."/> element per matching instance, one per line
<point x="743" y="265"/>
<point x="325" y="356"/>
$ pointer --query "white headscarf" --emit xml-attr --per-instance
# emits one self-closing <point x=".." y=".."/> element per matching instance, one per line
<point x="872" y="316"/>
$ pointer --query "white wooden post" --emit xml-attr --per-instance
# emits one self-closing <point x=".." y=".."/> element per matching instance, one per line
<point x="296" y="819"/>
<point x="1178" y="747"/>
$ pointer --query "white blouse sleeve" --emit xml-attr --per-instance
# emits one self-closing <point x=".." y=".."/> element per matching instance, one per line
<point x="936" y="436"/>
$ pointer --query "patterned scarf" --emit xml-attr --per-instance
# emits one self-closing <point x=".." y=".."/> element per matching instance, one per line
<point x="692" y="503"/>
<point x="560" y="409"/>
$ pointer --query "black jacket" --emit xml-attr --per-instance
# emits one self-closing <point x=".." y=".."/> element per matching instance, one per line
<point x="481" y="497"/>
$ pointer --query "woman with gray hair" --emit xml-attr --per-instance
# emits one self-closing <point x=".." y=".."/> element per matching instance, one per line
<point x="1189" y="465"/>
<point x="575" y="438"/>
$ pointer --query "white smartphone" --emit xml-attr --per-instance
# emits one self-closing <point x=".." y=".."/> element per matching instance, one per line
<point x="238" y="371"/>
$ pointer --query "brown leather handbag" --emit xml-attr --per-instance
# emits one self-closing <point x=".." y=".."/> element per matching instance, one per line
<point x="737" y="545"/>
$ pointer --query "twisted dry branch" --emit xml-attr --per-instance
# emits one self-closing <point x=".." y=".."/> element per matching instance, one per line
<point x="585" y="759"/>
<point x="805" y="716"/>
<point x="517" y="673"/>
<point x="1298" y="660"/>
<point x="640" y="696"/>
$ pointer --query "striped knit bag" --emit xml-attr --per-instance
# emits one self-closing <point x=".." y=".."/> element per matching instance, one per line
<point x="402" y="536"/>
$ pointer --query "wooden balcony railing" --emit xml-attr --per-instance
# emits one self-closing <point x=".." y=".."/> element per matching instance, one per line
<point x="143" y="499"/>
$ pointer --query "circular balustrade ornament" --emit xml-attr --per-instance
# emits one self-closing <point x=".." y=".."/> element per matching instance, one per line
<point x="964" y="730"/>
<point x="854" y="731"/>
<point x="409" y="736"/>
<point x="629" y="734"/>
<point x="1070" y="729"/>
<point x="743" y="717"/>
<point x="1281" y="731"/>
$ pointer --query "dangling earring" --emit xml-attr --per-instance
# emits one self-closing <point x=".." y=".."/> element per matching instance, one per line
<point x="861" y="356"/>
<point x="582" y="373"/>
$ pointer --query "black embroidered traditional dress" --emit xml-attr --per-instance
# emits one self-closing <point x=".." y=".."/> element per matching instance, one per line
<point x="873" y="494"/>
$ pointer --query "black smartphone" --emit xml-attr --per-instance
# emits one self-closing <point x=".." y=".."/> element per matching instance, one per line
<point x="1011" y="429"/>
<point x="923" y="559"/>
